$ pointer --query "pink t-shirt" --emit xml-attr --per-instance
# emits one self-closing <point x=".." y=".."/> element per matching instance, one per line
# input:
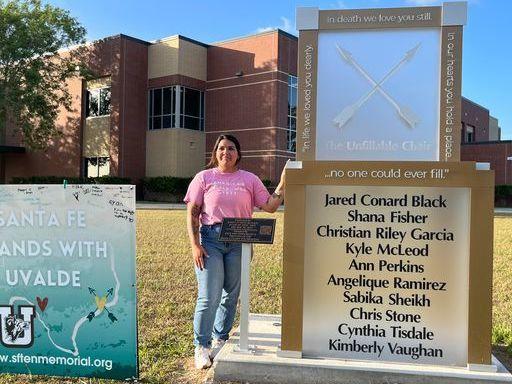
<point x="223" y="195"/>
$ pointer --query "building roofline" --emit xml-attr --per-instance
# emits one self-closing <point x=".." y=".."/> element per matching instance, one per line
<point x="287" y="34"/>
<point x="111" y="37"/>
<point x="278" y="30"/>
<point x="193" y="41"/>
<point x="181" y="37"/>
<point x="123" y="36"/>
<point x="119" y="36"/>
<point x="489" y="142"/>
<point x="474" y="103"/>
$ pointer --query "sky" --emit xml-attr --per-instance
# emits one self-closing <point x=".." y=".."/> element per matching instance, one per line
<point x="487" y="46"/>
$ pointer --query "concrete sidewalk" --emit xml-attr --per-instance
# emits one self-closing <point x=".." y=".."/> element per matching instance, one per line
<point x="265" y="366"/>
<point x="160" y="206"/>
<point x="502" y="211"/>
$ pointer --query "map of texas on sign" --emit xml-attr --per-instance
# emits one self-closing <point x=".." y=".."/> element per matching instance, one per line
<point x="67" y="280"/>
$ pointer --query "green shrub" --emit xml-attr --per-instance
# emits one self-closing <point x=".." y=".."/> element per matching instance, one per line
<point x="502" y="336"/>
<point x="167" y="184"/>
<point x="502" y="191"/>
<point x="110" y="180"/>
<point x="503" y="196"/>
<point x="70" y="180"/>
<point x="266" y="182"/>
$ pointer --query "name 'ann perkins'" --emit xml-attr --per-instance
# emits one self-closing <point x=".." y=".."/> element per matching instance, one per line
<point x="368" y="200"/>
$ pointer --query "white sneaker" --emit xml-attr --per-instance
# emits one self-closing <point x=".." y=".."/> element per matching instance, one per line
<point x="217" y="345"/>
<point x="202" y="357"/>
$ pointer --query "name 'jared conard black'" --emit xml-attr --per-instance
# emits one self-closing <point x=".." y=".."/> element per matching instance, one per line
<point x="368" y="200"/>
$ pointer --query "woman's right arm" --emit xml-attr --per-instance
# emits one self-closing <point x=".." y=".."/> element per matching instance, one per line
<point x="198" y="253"/>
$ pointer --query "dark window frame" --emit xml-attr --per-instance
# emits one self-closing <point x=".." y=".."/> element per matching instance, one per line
<point x="103" y="96"/>
<point x="158" y="117"/>
<point x="178" y="118"/>
<point x="469" y="134"/>
<point x="97" y="160"/>
<point x="291" y="132"/>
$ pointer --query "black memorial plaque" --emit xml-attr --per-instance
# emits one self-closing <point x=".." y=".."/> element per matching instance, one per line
<point x="247" y="230"/>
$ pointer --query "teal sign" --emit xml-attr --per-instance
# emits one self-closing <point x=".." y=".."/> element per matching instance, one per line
<point x="67" y="280"/>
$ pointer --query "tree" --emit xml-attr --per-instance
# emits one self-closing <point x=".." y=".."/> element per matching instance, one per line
<point x="33" y="72"/>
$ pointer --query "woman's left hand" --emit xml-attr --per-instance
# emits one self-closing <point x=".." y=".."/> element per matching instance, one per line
<point x="283" y="173"/>
<point x="281" y="184"/>
<point x="277" y="197"/>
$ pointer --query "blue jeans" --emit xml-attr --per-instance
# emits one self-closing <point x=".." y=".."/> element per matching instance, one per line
<point x="218" y="287"/>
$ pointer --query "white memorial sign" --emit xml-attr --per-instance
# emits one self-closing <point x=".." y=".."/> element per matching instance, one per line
<point x="369" y="107"/>
<point x="386" y="273"/>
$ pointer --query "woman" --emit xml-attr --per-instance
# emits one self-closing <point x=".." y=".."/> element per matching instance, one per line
<point x="222" y="190"/>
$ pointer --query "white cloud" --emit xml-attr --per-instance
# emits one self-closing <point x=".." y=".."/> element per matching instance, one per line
<point x="339" y="5"/>
<point x="286" y="25"/>
<point x="265" y="29"/>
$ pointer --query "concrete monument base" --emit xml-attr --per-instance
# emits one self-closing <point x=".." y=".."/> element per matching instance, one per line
<point x="263" y="365"/>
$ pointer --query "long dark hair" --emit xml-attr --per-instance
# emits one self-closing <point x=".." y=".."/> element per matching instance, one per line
<point x="213" y="159"/>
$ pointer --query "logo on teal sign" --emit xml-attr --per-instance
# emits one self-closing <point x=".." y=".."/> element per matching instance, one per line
<point x="17" y="328"/>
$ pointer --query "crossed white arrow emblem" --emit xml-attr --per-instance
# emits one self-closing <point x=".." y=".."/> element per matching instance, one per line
<point x="405" y="113"/>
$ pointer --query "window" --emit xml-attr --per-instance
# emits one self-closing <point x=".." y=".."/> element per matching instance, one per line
<point x="470" y="134"/>
<point x="162" y="108"/>
<point x="292" y="113"/>
<point x="176" y="106"/>
<point x="96" y="166"/>
<point x="98" y="102"/>
<point x="192" y="109"/>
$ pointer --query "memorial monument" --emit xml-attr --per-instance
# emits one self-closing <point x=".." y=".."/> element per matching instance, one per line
<point x="396" y="262"/>
<point x="388" y="236"/>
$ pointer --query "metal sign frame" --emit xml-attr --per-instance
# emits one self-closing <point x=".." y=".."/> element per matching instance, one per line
<point x="449" y="19"/>
<point x="465" y="174"/>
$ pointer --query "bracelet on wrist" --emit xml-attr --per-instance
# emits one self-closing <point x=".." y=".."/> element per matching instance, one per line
<point x="278" y="194"/>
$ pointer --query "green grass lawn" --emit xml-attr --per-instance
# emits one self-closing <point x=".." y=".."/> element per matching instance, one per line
<point x="502" y="285"/>
<point x="167" y="289"/>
